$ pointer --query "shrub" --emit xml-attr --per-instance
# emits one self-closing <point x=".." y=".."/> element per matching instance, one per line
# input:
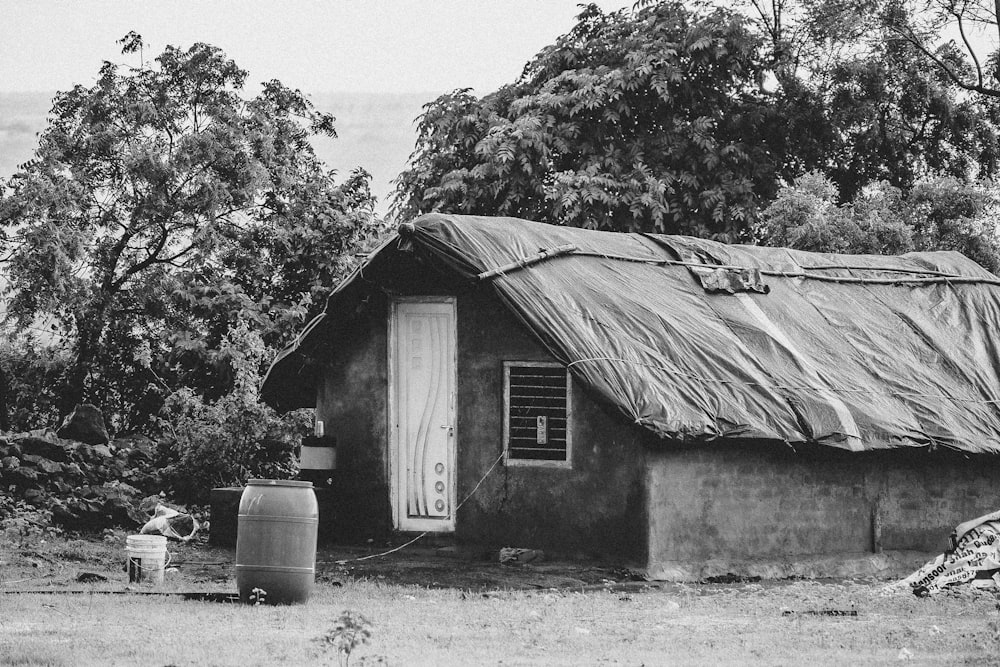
<point x="226" y="441"/>
<point x="35" y="371"/>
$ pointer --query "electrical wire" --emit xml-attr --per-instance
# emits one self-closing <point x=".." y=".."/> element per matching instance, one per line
<point x="403" y="546"/>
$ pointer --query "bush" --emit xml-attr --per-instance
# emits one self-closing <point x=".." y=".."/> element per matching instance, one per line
<point x="225" y="442"/>
<point x="35" y="372"/>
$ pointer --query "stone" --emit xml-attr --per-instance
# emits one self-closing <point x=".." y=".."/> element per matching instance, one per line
<point x="137" y="443"/>
<point x="49" y="467"/>
<point x="102" y="451"/>
<point x="86" y="424"/>
<point x="72" y="469"/>
<point x="47" y="448"/>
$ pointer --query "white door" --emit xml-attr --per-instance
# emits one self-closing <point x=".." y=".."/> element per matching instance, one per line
<point x="422" y="413"/>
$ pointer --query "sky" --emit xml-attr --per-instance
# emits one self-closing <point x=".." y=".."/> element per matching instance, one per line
<point x="401" y="46"/>
<point x="349" y="56"/>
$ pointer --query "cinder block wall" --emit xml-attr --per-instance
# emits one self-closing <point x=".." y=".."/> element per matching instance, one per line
<point x="770" y="502"/>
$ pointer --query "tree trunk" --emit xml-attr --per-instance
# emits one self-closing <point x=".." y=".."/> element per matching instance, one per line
<point x="90" y="328"/>
<point x="4" y="415"/>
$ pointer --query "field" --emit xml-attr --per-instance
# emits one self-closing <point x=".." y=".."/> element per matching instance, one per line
<point x="428" y="610"/>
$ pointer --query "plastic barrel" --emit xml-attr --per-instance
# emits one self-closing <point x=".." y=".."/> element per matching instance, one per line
<point x="276" y="541"/>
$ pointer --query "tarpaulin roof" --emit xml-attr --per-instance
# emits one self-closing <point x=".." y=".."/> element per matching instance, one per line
<point x="697" y="340"/>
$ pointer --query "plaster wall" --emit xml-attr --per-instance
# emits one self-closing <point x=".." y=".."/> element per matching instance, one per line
<point x="595" y="508"/>
<point x="352" y="401"/>
<point x="770" y="502"/>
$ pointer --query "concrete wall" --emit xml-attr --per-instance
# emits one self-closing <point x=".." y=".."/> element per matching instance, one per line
<point x="353" y="404"/>
<point x="770" y="502"/>
<point x="595" y="508"/>
<point x="628" y="495"/>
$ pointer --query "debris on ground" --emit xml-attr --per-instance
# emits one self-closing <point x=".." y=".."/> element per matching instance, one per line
<point x="171" y="523"/>
<point x="973" y="559"/>
<point x="821" y="612"/>
<point x="730" y="578"/>
<point x="512" y="556"/>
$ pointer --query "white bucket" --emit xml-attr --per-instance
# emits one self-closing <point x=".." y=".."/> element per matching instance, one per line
<point x="146" y="558"/>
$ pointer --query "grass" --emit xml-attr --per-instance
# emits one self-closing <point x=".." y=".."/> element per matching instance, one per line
<point x="782" y="623"/>
<point x="411" y="625"/>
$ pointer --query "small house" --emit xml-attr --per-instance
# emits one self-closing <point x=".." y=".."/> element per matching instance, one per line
<point x="661" y="400"/>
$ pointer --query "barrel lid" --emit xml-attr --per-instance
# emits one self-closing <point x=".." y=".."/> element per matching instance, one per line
<point x="278" y="482"/>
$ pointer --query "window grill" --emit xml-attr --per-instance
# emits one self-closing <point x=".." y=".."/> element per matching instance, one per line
<point x="537" y="412"/>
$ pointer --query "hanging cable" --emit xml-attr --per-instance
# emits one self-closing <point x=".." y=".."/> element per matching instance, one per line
<point x="403" y="546"/>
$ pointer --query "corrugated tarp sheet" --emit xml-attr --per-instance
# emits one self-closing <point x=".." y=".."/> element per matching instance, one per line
<point x="698" y="340"/>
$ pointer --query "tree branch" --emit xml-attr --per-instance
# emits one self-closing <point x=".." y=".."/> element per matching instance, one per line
<point x="968" y="46"/>
<point x="943" y="66"/>
<point x="150" y="259"/>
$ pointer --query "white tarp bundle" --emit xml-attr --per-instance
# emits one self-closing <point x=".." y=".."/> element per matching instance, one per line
<point x="973" y="559"/>
<point x="168" y="521"/>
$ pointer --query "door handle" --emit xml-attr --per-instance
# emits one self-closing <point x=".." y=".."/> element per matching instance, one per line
<point x="451" y="430"/>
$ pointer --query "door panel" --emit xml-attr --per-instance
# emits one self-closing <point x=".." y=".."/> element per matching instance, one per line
<point x="423" y="386"/>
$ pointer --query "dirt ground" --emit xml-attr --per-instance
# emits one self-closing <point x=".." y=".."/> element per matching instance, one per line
<point x="47" y="564"/>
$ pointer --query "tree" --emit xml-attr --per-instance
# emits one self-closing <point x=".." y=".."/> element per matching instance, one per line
<point x="651" y="120"/>
<point x="889" y="113"/>
<point x="806" y="216"/>
<point x="661" y="120"/>
<point x="971" y="22"/>
<point x="948" y="214"/>
<point x="939" y="214"/>
<point x="225" y="442"/>
<point x="901" y="120"/>
<point x="160" y="197"/>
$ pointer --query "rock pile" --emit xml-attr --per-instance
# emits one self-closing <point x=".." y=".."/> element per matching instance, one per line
<point x="85" y="486"/>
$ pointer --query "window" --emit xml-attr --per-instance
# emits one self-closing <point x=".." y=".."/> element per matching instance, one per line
<point x="536" y="413"/>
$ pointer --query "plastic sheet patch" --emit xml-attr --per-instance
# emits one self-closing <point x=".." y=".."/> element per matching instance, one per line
<point x="974" y="559"/>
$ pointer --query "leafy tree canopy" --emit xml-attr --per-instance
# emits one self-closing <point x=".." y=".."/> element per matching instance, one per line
<point x="162" y="206"/>
<point x="653" y="121"/>
<point x="680" y="119"/>
<point x="886" y="112"/>
<point x="939" y="28"/>
<point x="938" y="214"/>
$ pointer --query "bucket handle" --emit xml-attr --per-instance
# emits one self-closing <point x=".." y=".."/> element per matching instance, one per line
<point x="168" y="557"/>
